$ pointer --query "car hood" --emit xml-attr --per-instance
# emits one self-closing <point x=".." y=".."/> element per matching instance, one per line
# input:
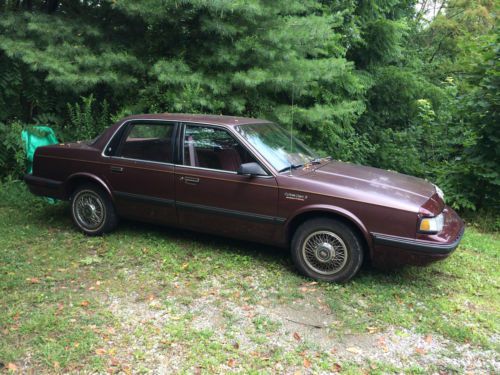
<point x="373" y="185"/>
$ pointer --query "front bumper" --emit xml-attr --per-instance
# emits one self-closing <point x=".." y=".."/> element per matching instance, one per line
<point x="392" y="251"/>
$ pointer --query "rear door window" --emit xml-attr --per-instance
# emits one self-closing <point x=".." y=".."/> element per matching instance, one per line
<point x="148" y="141"/>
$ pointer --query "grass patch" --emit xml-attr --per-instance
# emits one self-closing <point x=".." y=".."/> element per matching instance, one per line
<point x="56" y="287"/>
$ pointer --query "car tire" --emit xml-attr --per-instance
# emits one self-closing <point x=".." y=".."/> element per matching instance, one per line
<point x="327" y="249"/>
<point x="92" y="210"/>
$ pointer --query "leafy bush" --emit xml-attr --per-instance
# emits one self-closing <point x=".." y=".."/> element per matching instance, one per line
<point x="86" y="120"/>
<point x="375" y="82"/>
<point x="12" y="154"/>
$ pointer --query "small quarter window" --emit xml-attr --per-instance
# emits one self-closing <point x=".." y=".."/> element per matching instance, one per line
<point x="148" y="141"/>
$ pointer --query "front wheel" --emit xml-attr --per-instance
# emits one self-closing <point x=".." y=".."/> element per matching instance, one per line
<point x="327" y="249"/>
<point x="92" y="210"/>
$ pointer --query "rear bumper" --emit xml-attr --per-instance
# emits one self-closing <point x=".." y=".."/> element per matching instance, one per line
<point x="44" y="187"/>
<point x="392" y="251"/>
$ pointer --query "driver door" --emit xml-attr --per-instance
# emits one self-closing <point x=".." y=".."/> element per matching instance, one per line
<point x="212" y="197"/>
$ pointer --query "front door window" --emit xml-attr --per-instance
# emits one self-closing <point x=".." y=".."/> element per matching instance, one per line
<point x="213" y="148"/>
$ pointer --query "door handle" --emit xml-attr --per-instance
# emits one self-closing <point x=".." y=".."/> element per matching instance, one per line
<point x="190" y="180"/>
<point x="116" y="169"/>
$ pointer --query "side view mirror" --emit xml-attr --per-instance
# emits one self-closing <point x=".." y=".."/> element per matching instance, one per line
<point x="251" y="169"/>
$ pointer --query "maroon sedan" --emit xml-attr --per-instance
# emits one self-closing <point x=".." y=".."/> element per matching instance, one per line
<point x="246" y="178"/>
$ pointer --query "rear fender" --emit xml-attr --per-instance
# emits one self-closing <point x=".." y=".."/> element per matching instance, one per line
<point x="77" y="178"/>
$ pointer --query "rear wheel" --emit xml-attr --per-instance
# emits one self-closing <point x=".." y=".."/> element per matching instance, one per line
<point x="327" y="249"/>
<point x="92" y="210"/>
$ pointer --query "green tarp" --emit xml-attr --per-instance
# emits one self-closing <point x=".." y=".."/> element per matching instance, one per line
<point x="35" y="137"/>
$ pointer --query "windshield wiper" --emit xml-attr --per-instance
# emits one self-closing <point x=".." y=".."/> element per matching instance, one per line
<point x="290" y="167"/>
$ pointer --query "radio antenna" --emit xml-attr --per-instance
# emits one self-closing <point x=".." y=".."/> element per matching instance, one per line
<point x="291" y="127"/>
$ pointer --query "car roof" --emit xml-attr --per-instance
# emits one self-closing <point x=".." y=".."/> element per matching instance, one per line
<point x="205" y="119"/>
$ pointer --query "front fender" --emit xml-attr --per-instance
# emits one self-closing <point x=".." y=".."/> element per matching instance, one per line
<point x="331" y="210"/>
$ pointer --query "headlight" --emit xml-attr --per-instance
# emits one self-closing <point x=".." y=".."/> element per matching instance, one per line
<point x="431" y="224"/>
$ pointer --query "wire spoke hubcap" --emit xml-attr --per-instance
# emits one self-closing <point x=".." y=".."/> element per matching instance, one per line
<point x="325" y="252"/>
<point x="89" y="210"/>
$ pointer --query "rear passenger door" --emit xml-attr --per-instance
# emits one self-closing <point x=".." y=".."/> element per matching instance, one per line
<point x="141" y="171"/>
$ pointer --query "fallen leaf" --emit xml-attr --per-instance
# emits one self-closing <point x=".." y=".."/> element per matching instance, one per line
<point x="296" y="336"/>
<point x="100" y="351"/>
<point x="372" y="330"/>
<point x="381" y="341"/>
<point x="354" y="350"/>
<point x="428" y="339"/>
<point x="231" y="362"/>
<point x="307" y="363"/>
<point x="84" y="303"/>
<point x="420" y="351"/>
<point x="11" y="366"/>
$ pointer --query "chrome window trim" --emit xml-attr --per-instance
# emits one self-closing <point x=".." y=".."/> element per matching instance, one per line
<point x="141" y="160"/>
<point x="232" y="134"/>
<point x="206" y="169"/>
<point x="122" y="125"/>
<point x="235" y="134"/>
<point x="218" y="170"/>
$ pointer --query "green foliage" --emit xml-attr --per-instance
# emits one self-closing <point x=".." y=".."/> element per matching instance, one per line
<point x="12" y="154"/>
<point x="398" y="84"/>
<point x="86" y="120"/>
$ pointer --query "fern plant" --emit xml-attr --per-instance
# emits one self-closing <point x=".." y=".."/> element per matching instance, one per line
<point x="87" y="119"/>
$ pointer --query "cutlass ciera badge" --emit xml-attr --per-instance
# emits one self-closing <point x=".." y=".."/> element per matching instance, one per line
<point x="295" y="196"/>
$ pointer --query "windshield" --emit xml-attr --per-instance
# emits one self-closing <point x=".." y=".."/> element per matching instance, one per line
<point x="273" y="142"/>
